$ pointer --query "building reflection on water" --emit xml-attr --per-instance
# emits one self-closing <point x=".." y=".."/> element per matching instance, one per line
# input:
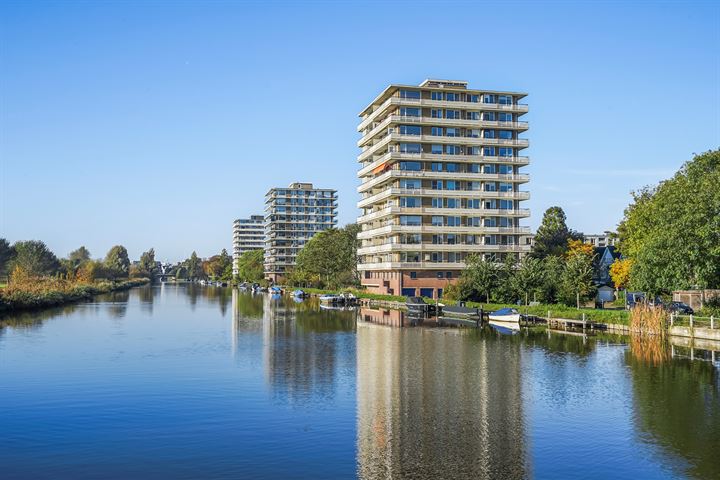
<point x="432" y="404"/>
<point x="304" y="347"/>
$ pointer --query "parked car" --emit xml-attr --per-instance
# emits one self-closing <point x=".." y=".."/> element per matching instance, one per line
<point x="680" y="307"/>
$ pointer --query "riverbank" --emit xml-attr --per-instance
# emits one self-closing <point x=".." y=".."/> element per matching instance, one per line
<point x="58" y="292"/>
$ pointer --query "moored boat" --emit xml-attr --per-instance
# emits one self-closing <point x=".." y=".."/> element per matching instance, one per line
<point x="505" y="315"/>
<point x="299" y="293"/>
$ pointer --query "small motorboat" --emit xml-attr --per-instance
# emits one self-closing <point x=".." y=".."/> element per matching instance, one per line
<point x="417" y="306"/>
<point x="505" y="315"/>
<point x="299" y="293"/>
<point x="330" y="298"/>
<point x="275" y="290"/>
<point x="460" y="311"/>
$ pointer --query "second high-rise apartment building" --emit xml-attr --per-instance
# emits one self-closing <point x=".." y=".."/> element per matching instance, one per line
<point x="441" y="175"/>
<point x="292" y="216"/>
<point x="248" y="234"/>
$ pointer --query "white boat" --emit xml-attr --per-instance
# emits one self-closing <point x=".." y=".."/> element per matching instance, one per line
<point x="505" y="328"/>
<point x="330" y="298"/>
<point x="505" y="316"/>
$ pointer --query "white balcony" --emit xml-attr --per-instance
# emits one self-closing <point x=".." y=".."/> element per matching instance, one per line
<point x="395" y="174"/>
<point x="397" y="156"/>
<point x="426" y="192"/>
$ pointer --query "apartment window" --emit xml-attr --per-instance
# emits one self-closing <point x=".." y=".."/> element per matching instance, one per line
<point x="473" y="168"/>
<point x="411" y="239"/>
<point x="473" y="133"/>
<point x="489" y="151"/>
<point x="452" y="97"/>
<point x="488" y="116"/>
<point x="437" y="202"/>
<point x="436" y="149"/>
<point x="411" y="257"/>
<point x="491" y="204"/>
<point x="436" y="167"/>
<point x="472" y="115"/>
<point x="473" y="151"/>
<point x="410" y="148"/>
<point x="490" y="187"/>
<point x="504" y="222"/>
<point x="448" y="274"/>
<point x="413" y="166"/>
<point x="410" y="130"/>
<point x="413" y="275"/>
<point x="451" y="239"/>
<point x="452" y="132"/>
<point x="453" y="222"/>
<point x="506" y="187"/>
<point x="436" y="131"/>
<point x="473" y="186"/>
<point x="505" y="134"/>
<point x="410" y="202"/>
<point x="436" y="184"/>
<point x="490" y="168"/>
<point x="453" y="149"/>
<point x="452" y="114"/>
<point x="473" y="98"/>
<point x="452" y="185"/>
<point x="505" y="100"/>
<point x="473" y="203"/>
<point x="505" y="117"/>
<point x="437" y="239"/>
<point x="436" y="96"/>
<point x="489" y="98"/>
<point x="437" y="221"/>
<point x="410" y="94"/>
<point x="490" y="222"/>
<point x="436" y="113"/>
<point x="473" y="221"/>
<point x="410" y="112"/>
<point x="488" y="133"/>
<point x="506" y="169"/>
<point x="505" y="152"/>
<point x="453" y="203"/>
<point x="439" y="274"/>
<point x="410" y="184"/>
<point x="411" y="220"/>
<point x="505" y="204"/>
<point x="451" y="167"/>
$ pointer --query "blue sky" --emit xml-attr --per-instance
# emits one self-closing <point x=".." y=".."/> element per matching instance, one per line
<point x="156" y="124"/>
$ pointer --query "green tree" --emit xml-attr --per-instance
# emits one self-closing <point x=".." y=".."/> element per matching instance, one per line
<point x="528" y="279"/>
<point x="194" y="267"/>
<point x="250" y="266"/>
<point x="117" y="262"/>
<point x="505" y="290"/>
<point x="481" y="275"/>
<point x="79" y="256"/>
<point x="33" y="259"/>
<point x="553" y="234"/>
<point x="552" y="272"/>
<point x="6" y="254"/>
<point x="671" y="232"/>
<point x="330" y="256"/>
<point x="147" y="262"/>
<point x="576" y="281"/>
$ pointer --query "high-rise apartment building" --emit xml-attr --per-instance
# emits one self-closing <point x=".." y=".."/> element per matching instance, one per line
<point x="248" y="234"/>
<point x="292" y="216"/>
<point x="440" y="172"/>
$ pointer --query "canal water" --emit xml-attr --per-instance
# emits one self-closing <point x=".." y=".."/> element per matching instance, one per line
<point x="184" y="381"/>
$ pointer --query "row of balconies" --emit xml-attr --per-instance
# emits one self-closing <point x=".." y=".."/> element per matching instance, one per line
<point x="395" y="210"/>
<point x="393" y="229"/>
<point x="369" y="166"/>
<point x="439" y="122"/>
<point x="396" y="173"/>
<point x="430" y="139"/>
<point x="428" y="247"/>
<point x="427" y="192"/>
<point x="414" y="102"/>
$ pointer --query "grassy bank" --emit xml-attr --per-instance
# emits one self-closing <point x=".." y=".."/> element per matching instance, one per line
<point x="52" y="292"/>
